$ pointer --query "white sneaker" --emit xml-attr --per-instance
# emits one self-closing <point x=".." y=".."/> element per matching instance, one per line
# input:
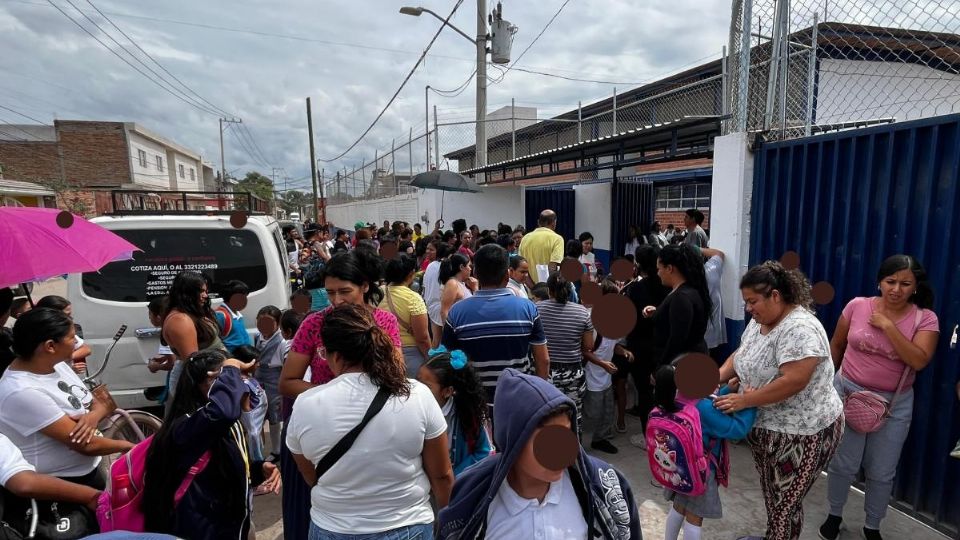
<point x="640" y="441"/>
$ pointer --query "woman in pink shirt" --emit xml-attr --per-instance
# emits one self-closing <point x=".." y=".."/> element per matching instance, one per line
<point x="348" y="278"/>
<point x="880" y="340"/>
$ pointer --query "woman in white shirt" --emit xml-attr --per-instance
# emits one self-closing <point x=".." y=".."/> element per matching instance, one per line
<point x="381" y="485"/>
<point x="432" y="289"/>
<point x="46" y="410"/>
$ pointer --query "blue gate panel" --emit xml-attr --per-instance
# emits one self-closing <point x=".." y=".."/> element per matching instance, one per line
<point x="846" y="201"/>
<point x="561" y="201"/>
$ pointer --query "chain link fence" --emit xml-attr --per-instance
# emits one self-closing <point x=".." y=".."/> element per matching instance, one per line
<point x="798" y="67"/>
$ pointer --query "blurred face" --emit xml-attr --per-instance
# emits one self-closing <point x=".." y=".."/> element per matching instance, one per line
<point x="237" y="302"/>
<point x="426" y="376"/>
<point x="689" y="222"/>
<point x="431" y="252"/>
<point x="517" y="237"/>
<point x="267" y="326"/>
<point x="896" y="289"/>
<point x="204" y="296"/>
<point x="301" y="304"/>
<point x="522" y="272"/>
<point x="587" y="246"/>
<point x="466" y="237"/>
<point x="344" y="292"/>
<point x="527" y="463"/>
<point x="763" y="309"/>
<point x="656" y="227"/>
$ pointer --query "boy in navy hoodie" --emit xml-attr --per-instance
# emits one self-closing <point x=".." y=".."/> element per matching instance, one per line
<point x="496" y="498"/>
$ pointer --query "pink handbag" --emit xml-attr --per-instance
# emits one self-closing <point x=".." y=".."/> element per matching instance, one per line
<point x="866" y="411"/>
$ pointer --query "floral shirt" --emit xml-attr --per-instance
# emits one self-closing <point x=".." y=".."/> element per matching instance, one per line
<point x="308" y="341"/>
<point x="757" y="362"/>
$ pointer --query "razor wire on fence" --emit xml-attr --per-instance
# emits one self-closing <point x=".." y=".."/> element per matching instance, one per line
<point x="797" y="67"/>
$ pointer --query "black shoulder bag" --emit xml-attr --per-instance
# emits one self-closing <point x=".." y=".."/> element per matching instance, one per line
<point x="344" y="444"/>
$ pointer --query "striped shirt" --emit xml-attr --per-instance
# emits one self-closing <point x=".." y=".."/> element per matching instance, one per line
<point x="495" y="329"/>
<point x="564" y="326"/>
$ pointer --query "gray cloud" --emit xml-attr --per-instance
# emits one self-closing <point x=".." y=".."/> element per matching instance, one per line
<point x="54" y="67"/>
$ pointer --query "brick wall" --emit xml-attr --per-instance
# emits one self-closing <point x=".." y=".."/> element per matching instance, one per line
<point x="94" y="153"/>
<point x="676" y="218"/>
<point x="32" y="161"/>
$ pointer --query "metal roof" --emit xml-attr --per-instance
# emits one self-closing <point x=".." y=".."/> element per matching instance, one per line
<point x="663" y="134"/>
<point x="16" y="187"/>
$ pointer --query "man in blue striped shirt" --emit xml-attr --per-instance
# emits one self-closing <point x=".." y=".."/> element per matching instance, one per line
<point x="496" y="329"/>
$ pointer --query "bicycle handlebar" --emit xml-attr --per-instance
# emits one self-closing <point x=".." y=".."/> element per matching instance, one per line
<point x="116" y="339"/>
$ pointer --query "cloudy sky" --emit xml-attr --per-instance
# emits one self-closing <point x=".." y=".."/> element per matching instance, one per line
<point x="258" y="60"/>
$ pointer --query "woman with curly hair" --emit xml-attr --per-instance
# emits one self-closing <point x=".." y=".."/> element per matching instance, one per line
<point x="784" y="356"/>
<point x="463" y="401"/>
<point x="380" y="487"/>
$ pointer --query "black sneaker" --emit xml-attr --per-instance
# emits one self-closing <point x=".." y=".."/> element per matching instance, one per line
<point x="604" y="446"/>
<point x="871" y="534"/>
<point x="830" y="529"/>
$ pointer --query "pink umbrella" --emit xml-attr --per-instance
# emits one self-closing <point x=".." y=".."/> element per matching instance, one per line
<point x="40" y="243"/>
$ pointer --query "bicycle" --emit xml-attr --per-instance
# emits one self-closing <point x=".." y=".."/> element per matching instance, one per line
<point x="133" y="425"/>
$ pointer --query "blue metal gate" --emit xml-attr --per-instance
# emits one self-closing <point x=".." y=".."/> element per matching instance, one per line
<point x="844" y="202"/>
<point x="560" y="200"/>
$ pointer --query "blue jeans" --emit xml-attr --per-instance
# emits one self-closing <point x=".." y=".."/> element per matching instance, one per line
<point x="413" y="532"/>
<point x="877" y="453"/>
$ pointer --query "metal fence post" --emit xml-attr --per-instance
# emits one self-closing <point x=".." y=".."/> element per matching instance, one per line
<point x="614" y="111"/>
<point x="436" y="139"/>
<point x="784" y="61"/>
<point x="579" y="122"/>
<point x="410" y="147"/>
<point x="811" y="76"/>
<point x="724" y="80"/>
<point x="513" y="128"/>
<point x="393" y="165"/>
<point x="743" y="91"/>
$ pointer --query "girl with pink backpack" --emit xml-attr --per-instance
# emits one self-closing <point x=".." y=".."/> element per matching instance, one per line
<point x="687" y="449"/>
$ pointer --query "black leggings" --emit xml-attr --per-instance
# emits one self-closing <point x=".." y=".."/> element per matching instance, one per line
<point x="641" y="369"/>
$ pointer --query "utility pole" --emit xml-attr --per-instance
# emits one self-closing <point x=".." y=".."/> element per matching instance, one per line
<point x="481" y="132"/>
<point x="426" y="124"/>
<point x="313" y="163"/>
<point x="223" y="161"/>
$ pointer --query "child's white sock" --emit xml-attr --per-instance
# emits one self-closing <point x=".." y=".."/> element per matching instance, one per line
<point x="690" y="531"/>
<point x="275" y="438"/>
<point x="674" y="522"/>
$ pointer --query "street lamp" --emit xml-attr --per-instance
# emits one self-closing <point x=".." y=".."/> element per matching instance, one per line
<point x="481" y="44"/>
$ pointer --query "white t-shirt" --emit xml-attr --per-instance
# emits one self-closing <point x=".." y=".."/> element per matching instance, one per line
<point x="559" y="516"/>
<point x="590" y="261"/>
<point x="598" y="379"/>
<point x="431" y="291"/>
<point x="11" y="461"/>
<point x="379" y="484"/>
<point x="757" y="362"/>
<point x="29" y="403"/>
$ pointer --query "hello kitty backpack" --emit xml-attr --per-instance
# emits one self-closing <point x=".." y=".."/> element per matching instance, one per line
<point x="675" y="450"/>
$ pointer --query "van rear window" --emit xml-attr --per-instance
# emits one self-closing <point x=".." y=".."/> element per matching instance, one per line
<point x="221" y="254"/>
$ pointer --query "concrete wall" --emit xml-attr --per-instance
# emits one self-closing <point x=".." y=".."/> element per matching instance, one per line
<point x="185" y="183"/>
<point x="730" y="231"/>
<point x="855" y="90"/>
<point x="486" y="209"/>
<point x="149" y="175"/>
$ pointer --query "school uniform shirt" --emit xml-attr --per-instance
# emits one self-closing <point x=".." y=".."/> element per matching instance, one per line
<point x="11" y="461"/>
<point x="558" y="516"/>
<point x="599" y="379"/>
<point x="273" y="350"/>
<point x="31" y="402"/>
<point x="589" y="261"/>
<point x="379" y="484"/>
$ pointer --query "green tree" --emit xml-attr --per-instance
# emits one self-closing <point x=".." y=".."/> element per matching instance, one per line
<point x="258" y="184"/>
<point x="296" y="201"/>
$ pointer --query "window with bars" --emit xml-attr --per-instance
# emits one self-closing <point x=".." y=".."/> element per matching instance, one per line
<point x="159" y="163"/>
<point x="142" y="158"/>
<point x="193" y="175"/>
<point x="180" y="171"/>
<point x="684" y="196"/>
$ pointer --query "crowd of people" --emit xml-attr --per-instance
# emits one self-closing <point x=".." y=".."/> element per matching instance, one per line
<point x="439" y="384"/>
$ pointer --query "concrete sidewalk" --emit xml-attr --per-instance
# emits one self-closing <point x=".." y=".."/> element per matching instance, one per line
<point x="743" y="508"/>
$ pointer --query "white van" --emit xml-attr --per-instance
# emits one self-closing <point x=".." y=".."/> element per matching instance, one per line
<point x="120" y="292"/>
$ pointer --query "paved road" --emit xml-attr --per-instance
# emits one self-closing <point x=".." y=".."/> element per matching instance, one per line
<point x="743" y="500"/>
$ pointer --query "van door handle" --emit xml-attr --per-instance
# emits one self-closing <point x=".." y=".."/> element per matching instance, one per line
<point x="147" y="333"/>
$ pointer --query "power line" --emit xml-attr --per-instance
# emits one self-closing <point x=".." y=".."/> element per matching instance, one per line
<point x="28" y="117"/>
<point x="402" y="85"/>
<point x="135" y="68"/>
<point x="555" y="15"/>
<point x="456" y="91"/>
<point x="165" y="70"/>
<point x="243" y="144"/>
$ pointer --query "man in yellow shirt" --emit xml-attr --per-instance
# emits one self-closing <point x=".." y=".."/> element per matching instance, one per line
<point x="543" y="248"/>
<point x="417" y="233"/>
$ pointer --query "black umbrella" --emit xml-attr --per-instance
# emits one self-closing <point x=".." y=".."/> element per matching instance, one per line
<point x="445" y="181"/>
